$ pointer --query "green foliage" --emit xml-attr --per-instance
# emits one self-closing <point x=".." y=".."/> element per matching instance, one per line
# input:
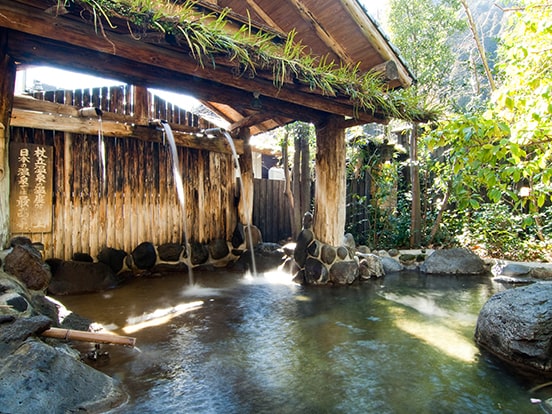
<point x="494" y="231"/>
<point x="205" y="37"/>
<point x="424" y="30"/>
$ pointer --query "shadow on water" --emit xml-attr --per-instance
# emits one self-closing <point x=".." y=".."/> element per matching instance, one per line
<point x="238" y="344"/>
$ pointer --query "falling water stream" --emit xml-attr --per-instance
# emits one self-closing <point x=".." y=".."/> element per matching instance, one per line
<point x="242" y="344"/>
<point x="177" y="175"/>
<point x="244" y="198"/>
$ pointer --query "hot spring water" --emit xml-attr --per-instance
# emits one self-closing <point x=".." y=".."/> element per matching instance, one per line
<point x="229" y="343"/>
<point x="243" y="344"/>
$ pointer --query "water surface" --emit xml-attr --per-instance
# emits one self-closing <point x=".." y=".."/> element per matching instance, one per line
<point x="234" y="344"/>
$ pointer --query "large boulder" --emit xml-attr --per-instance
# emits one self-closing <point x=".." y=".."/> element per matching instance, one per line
<point x="453" y="261"/>
<point x="38" y="378"/>
<point x="70" y="277"/>
<point x="516" y="326"/>
<point x="25" y="263"/>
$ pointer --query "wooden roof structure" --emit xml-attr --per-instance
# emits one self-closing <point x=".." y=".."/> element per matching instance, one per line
<point x="73" y="35"/>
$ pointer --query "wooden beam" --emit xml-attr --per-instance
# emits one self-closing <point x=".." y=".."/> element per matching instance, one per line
<point x="250" y="120"/>
<point x="375" y="37"/>
<point x="324" y="35"/>
<point x="83" y="37"/>
<point x="89" y="126"/>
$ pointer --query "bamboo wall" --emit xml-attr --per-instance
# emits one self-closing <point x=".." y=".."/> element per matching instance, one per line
<point x="137" y="201"/>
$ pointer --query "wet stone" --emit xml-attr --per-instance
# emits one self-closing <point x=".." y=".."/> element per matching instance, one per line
<point x="303" y="241"/>
<point x="344" y="273"/>
<point x="315" y="272"/>
<point x="199" y="254"/>
<point x="25" y="263"/>
<point x="342" y="252"/>
<point x="314" y="249"/>
<point x="218" y="249"/>
<point x="114" y="258"/>
<point x="170" y="252"/>
<point x="144" y="256"/>
<point x="328" y="254"/>
<point x="82" y="257"/>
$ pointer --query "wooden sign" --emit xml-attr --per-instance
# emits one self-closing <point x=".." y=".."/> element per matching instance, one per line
<point x="31" y="178"/>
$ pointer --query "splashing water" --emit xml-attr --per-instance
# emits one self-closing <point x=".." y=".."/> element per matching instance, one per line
<point x="179" y="185"/>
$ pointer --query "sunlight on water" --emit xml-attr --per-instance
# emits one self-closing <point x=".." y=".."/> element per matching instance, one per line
<point x="444" y="339"/>
<point x="275" y="277"/>
<point x="159" y="316"/>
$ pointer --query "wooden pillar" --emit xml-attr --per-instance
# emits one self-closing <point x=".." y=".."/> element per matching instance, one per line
<point x="245" y="206"/>
<point x="7" y="85"/>
<point x="330" y="186"/>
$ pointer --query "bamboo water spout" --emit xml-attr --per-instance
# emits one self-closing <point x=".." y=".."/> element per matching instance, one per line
<point x="100" y="338"/>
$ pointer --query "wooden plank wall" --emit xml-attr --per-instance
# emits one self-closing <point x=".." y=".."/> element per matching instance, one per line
<point x="357" y="215"/>
<point x="271" y="210"/>
<point x="137" y="201"/>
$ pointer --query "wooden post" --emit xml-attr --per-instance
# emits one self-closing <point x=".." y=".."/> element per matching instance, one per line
<point x="7" y="85"/>
<point x="330" y="187"/>
<point x="245" y="206"/>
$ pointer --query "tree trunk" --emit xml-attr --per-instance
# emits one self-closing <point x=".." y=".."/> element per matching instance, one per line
<point x="7" y="74"/>
<point x="295" y="227"/>
<point x="479" y="44"/>
<point x="305" y="189"/>
<point x="416" y="214"/>
<point x="330" y="189"/>
<point x="245" y="206"/>
<point x="439" y="217"/>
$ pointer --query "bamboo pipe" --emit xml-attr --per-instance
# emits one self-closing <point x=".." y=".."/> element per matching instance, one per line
<point x="101" y="338"/>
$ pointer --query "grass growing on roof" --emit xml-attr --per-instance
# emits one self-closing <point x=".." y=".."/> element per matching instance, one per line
<point x="206" y="38"/>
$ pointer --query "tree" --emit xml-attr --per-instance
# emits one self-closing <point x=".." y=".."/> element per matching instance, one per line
<point x="492" y="154"/>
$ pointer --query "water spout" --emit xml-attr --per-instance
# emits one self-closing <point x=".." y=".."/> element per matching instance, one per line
<point x="168" y="133"/>
<point x="224" y="133"/>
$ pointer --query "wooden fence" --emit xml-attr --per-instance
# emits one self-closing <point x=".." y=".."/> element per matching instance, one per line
<point x="136" y="201"/>
<point x="271" y="210"/>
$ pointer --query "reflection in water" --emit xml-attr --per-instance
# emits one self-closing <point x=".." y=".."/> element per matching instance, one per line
<point x="256" y="345"/>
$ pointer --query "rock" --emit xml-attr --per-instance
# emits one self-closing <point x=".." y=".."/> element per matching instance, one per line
<point x="289" y="248"/>
<point x="307" y="221"/>
<point x="328" y="254"/>
<point x="218" y="249"/>
<point x="370" y="266"/>
<point x="21" y="328"/>
<point x="314" y="249"/>
<point x="14" y="297"/>
<point x="238" y="236"/>
<point x="303" y="240"/>
<point x="256" y="236"/>
<point x="268" y="256"/>
<point x="315" y="272"/>
<point x="82" y="257"/>
<point x="72" y="278"/>
<point x="363" y="249"/>
<point x="20" y="241"/>
<point x="114" y="258"/>
<point x="344" y="273"/>
<point x="199" y="254"/>
<point x="393" y="252"/>
<point x="453" y="261"/>
<point x="144" y="256"/>
<point x="407" y="259"/>
<point x="391" y="265"/>
<point x="170" y="252"/>
<point x="25" y="263"/>
<point x="38" y="378"/>
<point x="342" y="252"/>
<point x="516" y="326"/>
<point x="349" y="241"/>
<point x="515" y="270"/>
